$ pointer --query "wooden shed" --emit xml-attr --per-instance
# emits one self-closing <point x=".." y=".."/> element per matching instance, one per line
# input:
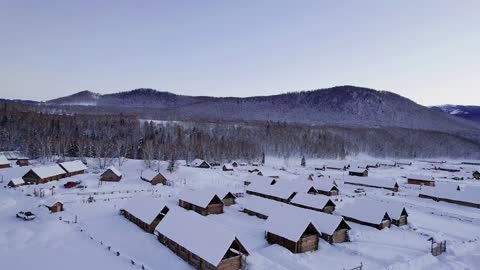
<point x="201" y="242"/>
<point x="4" y="163"/>
<point x="16" y="182"/>
<point x="40" y="175"/>
<point x="153" y="177"/>
<point x="313" y="202"/>
<point x="389" y="184"/>
<point x="228" y="198"/>
<point x="200" y="163"/>
<point x="476" y="175"/>
<point x="358" y="172"/>
<point x="397" y="212"/>
<point x="295" y="234"/>
<point x="326" y="188"/>
<point x="23" y="162"/>
<point x="204" y="202"/>
<point x="227" y="168"/>
<point x="54" y="205"/>
<point x="112" y="174"/>
<point x="145" y="212"/>
<point x="367" y="213"/>
<point x="421" y="180"/>
<point x="252" y="178"/>
<point x="73" y="167"/>
<point x="277" y="192"/>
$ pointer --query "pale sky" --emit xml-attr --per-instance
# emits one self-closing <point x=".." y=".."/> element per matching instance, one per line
<point x="428" y="51"/>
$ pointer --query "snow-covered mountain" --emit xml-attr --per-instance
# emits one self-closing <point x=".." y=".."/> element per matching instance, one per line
<point x="340" y="106"/>
<point x="466" y="112"/>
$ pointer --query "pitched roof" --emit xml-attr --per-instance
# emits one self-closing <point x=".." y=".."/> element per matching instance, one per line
<point x="287" y="227"/>
<point x="253" y="178"/>
<point x="4" y="160"/>
<point x="279" y="191"/>
<point x="48" y="171"/>
<point x="315" y="201"/>
<point x="144" y="208"/>
<point x="261" y="205"/>
<point x="371" y="181"/>
<point x="197" y="162"/>
<point x="357" y="170"/>
<point x="324" y="185"/>
<point x="394" y="209"/>
<point x="469" y="195"/>
<point x="148" y="175"/>
<point x="228" y="166"/>
<point x="200" y="235"/>
<point x="17" y="181"/>
<point x="73" y="166"/>
<point x="420" y="177"/>
<point x="114" y="170"/>
<point x="364" y="210"/>
<point x="198" y="197"/>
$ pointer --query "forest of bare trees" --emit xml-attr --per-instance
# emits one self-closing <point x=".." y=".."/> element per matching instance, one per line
<point x="118" y="136"/>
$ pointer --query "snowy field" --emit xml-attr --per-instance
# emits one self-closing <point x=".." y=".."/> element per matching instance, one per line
<point x="103" y="239"/>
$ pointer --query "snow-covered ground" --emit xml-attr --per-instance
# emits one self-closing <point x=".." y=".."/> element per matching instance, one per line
<point x="103" y="239"/>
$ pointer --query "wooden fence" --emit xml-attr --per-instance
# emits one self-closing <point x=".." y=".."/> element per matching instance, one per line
<point x="439" y="248"/>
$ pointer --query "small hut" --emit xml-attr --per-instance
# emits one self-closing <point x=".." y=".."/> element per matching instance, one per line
<point x="421" y="180"/>
<point x="200" y="163"/>
<point x="366" y="213"/>
<point x="153" y="177"/>
<point x="73" y="167"/>
<point x="295" y="234"/>
<point x="145" y="212"/>
<point x="313" y="202"/>
<point x="228" y="198"/>
<point x="234" y="164"/>
<point x="16" y="182"/>
<point x="201" y="242"/>
<point x="227" y="168"/>
<point x="112" y="174"/>
<point x="23" y="162"/>
<point x="358" y="172"/>
<point x="54" y="205"/>
<point x="397" y="212"/>
<point x="40" y="175"/>
<point x="204" y="202"/>
<point x="4" y="163"/>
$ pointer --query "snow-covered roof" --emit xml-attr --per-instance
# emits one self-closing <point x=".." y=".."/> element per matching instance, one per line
<point x="420" y="177"/>
<point x="253" y="178"/>
<point x="197" y="162"/>
<point x="50" y="201"/>
<point x="199" y="235"/>
<point x="469" y="195"/>
<point x="114" y="170"/>
<point x="277" y="190"/>
<point x="394" y="209"/>
<point x="371" y="181"/>
<point x="4" y="160"/>
<point x="357" y="170"/>
<point x="144" y="208"/>
<point x="261" y="205"/>
<point x="148" y="175"/>
<point x="363" y="210"/>
<point x="48" y="171"/>
<point x="286" y="226"/>
<point x="228" y="166"/>
<point x="17" y="181"/>
<point x="449" y="168"/>
<point x="324" y="185"/>
<point x="315" y="201"/>
<point x="73" y="166"/>
<point x="12" y="155"/>
<point x="198" y="197"/>
<point x="221" y="193"/>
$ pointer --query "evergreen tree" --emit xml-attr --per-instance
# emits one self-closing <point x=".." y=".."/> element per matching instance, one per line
<point x="303" y="163"/>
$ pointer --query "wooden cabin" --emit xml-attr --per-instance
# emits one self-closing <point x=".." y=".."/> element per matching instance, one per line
<point x="469" y="197"/>
<point x="448" y="169"/>
<point x="313" y="202"/>
<point x="277" y="192"/>
<point x="234" y="164"/>
<point x="333" y="229"/>
<point x="228" y="198"/>
<point x="22" y="162"/>
<point x="72" y="168"/>
<point x="203" y="202"/>
<point x="360" y="173"/>
<point x="200" y="163"/>
<point x="295" y="234"/>
<point x="227" y="168"/>
<point x="145" y="212"/>
<point x="259" y="179"/>
<point x="326" y="188"/>
<point x="389" y="184"/>
<point x="41" y="175"/>
<point x="54" y="205"/>
<point x="4" y="163"/>
<point x="421" y="180"/>
<point x="153" y="177"/>
<point x="112" y="174"/>
<point x="476" y="175"/>
<point x="366" y="212"/>
<point x="201" y="242"/>
<point x="16" y="182"/>
<point x="397" y="213"/>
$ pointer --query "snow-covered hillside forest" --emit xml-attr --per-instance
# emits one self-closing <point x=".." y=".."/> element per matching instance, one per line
<point x="108" y="136"/>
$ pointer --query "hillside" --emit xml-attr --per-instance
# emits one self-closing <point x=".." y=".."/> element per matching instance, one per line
<point x="471" y="113"/>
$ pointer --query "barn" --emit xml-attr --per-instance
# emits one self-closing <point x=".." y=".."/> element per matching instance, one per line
<point x="145" y="212"/>
<point x="313" y="202"/>
<point x="252" y="178"/>
<point x="112" y="174"/>
<point x="44" y="174"/>
<point x="201" y="242"/>
<point x="16" y="182"/>
<point x="295" y="234"/>
<point x="53" y="205"/>
<point x="389" y="184"/>
<point x="227" y="168"/>
<point x="469" y="197"/>
<point x="358" y="172"/>
<point x="204" y="202"/>
<point x="326" y="188"/>
<point x="421" y="180"/>
<point x="73" y="167"/>
<point x="367" y="213"/>
<point x="476" y="175"/>
<point x="200" y="163"/>
<point x="4" y="163"/>
<point x="153" y="177"/>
